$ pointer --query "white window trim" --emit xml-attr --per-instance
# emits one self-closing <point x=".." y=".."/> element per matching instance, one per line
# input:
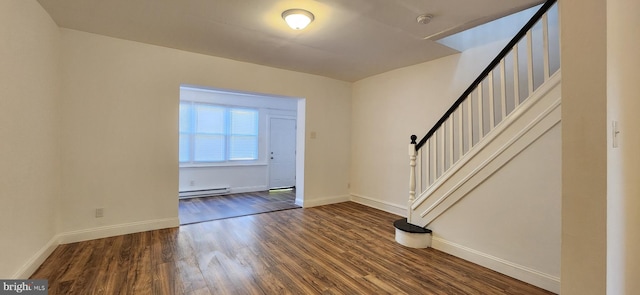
<point x="227" y="162"/>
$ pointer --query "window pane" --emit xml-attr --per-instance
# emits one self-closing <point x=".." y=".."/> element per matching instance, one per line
<point x="207" y="131"/>
<point x="209" y="148"/>
<point x="243" y="147"/>
<point x="209" y="119"/>
<point x="244" y="122"/>
<point x="185" y="117"/>
<point x="243" y="140"/>
<point x="184" y="148"/>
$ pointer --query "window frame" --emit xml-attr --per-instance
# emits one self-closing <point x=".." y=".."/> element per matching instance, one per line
<point x="192" y="135"/>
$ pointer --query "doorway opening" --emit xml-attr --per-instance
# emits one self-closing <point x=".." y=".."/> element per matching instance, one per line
<point x="234" y="142"/>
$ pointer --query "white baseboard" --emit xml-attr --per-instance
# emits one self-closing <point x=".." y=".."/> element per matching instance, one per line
<point x="306" y="203"/>
<point x="380" y="205"/>
<point x="514" y="270"/>
<point x="36" y="260"/>
<point x="116" y="230"/>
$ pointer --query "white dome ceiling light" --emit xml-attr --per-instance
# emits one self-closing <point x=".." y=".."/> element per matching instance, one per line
<point x="297" y="19"/>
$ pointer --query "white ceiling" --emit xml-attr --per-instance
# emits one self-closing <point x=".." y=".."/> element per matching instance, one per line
<point x="349" y="39"/>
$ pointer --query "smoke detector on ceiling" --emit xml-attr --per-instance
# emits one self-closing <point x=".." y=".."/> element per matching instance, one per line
<point x="424" y="19"/>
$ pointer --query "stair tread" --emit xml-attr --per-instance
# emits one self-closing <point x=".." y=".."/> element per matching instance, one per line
<point x="403" y="225"/>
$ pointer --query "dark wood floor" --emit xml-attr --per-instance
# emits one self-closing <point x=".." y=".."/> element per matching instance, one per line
<point x="234" y="205"/>
<point x="343" y="248"/>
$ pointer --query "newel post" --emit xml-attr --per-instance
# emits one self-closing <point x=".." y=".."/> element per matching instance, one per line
<point x="412" y="174"/>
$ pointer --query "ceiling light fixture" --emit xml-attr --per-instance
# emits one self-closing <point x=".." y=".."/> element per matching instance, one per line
<point x="297" y="19"/>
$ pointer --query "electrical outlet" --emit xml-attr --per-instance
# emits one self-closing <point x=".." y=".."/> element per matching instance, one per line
<point x="99" y="212"/>
<point x="192" y="183"/>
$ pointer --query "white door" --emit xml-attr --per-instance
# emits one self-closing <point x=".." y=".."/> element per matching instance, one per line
<point x="282" y="152"/>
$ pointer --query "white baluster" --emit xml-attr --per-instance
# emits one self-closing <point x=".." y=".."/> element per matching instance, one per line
<point x="433" y="165"/>
<point x="469" y="122"/>
<point x="480" y="114"/>
<point x="460" y="137"/>
<point x="516" y="77"/>
<point x="450" y="147"/>
<point x="419" y="171"/>
<point x="441" y="150"/>
<point x="503" y="89"/>
<point x="426" y="153"/>
<point x="412" y="174"/>
<point x="492" y="110"/>
<point x="545" y="45"/>
<point x="530" y="61"/>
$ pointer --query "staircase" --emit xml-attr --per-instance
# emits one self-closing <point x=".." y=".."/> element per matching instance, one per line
<point x="511" y="104"/>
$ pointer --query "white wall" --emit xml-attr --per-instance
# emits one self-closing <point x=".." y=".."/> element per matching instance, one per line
<point x="250" y="178"/>
<point x="623" y="163"/>
<point x="120" y="127"/>
<point x="584" y="146"/>
<point x="29" y="124"/>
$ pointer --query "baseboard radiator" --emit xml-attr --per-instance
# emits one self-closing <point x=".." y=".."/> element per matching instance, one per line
<point x="203" y="192"/>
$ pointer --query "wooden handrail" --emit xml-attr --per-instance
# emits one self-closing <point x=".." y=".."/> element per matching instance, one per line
<point x="534" y="19"/>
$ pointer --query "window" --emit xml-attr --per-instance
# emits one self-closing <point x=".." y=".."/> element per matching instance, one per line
<point x="212" y="133"/>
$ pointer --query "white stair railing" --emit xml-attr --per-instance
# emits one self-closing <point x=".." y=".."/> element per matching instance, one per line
<point x="531" y="57"/>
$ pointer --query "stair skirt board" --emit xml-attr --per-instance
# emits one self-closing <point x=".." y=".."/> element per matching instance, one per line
<point x="412" y="236"/>
<point x="203" y="192"/>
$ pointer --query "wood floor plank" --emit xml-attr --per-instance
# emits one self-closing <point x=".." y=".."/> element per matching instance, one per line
<point x="343" y="248"/>
<point x="190" y="276"/>
<point x="80" y="257"/>
<point x="165" y="280"/>
<point x="111" y="282"/>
